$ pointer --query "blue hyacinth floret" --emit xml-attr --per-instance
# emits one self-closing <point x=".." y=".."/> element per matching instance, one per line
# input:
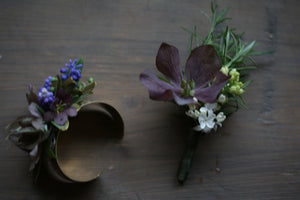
<point x="45" y="97"/>
<point x="73" y="70"/>
<point x="48" y="82"/>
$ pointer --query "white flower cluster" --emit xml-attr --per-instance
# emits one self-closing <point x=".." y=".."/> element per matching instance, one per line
<point x="206" y="117"/>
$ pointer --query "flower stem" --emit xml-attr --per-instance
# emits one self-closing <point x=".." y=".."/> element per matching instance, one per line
<point x="187" y="158"/>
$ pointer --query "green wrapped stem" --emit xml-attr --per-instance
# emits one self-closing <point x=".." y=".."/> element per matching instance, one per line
<point x="187" y="158"/>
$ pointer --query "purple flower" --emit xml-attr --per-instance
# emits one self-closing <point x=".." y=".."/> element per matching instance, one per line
<point x="61" y="108"/>
<point x="62" y="117"/>
<point x="45" y="97"/>
<point x="202" y="67"/>
<point x="73" y="70"/>
<point x="48" y="82"/>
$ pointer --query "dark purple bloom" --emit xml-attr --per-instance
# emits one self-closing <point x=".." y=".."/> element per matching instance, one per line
<point x="61" y="108"/>
<point x="202" y="67"/>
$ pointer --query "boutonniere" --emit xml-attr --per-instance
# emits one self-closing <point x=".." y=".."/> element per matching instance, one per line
<point x="210" y="85"/>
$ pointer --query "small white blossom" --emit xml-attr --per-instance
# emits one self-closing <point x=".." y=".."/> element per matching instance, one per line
<point x="203" y="111"/>
<point x="206" y="118"/>
<point x="220" y="118"/>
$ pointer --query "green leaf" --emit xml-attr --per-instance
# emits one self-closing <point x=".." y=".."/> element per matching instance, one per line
<point x="89" y="88"/>
<point x="76" y="106"/>
<point x="80" y="61"/>
<point x="220" y="18"/>
<point x="241" y="102"/>
<point x="205" y="15"/>
<point x="76" y="92"/>
<point x="61" y="127"/>
<point x="69" y="85"/>
<point x="246" y="84"/>
<point x="51" y="153"/>
<point x="248" y="48"/>
<point x="213" y="7"/>
<point x="223" y="20"/>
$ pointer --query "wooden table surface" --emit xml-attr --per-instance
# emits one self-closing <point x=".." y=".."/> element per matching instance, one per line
<point x="257" y="150"/>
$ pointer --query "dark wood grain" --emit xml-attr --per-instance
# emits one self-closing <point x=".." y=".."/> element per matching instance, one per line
<point x="257" y="151"/>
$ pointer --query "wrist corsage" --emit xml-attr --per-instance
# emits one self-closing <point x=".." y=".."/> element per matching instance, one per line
<point x="61" y="98"/>
<point x="211" y="84"/>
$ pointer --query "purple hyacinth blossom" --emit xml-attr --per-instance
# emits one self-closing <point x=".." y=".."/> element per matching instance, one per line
<point x="45" y="97"/>
<point x="48" y="83"/>
<point x="202" y="67"/>
<point x="72" y="70"/>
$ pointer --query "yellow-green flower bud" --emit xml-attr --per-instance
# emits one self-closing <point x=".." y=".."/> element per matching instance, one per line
<point x="224" y="70"/>
<point x="241" y="91"/>
<point x="232" y="89"/>
<point x="235" y="76"/>
<point x="240" y="84"/>
<point x="237" y="88"/>
<point x="90" y="80"/>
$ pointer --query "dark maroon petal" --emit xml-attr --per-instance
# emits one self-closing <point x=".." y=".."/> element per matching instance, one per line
<point x="72" y="112"/>
<point x="202" y="65"/>
<point x="168" y="63"/>
<point x="61" y="118"/>
<point x="158" y="89"/>
<point x="209" y="94"/>
<point x="180" y="100"/>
